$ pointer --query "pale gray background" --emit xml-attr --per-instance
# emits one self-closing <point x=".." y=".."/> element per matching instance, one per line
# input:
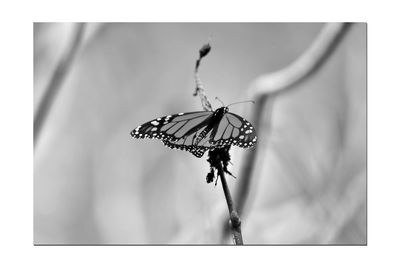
<point x="93" y="184"/>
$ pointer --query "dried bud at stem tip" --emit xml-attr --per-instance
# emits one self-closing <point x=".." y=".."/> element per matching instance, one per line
<point x="205" y="50"/>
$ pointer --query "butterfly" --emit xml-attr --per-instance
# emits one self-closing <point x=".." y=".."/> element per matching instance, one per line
<point x="199" y="131"/>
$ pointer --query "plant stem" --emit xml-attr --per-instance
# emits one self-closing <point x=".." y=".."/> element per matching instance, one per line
<point x="233" y="214"/>
<point x="199" y="91"/>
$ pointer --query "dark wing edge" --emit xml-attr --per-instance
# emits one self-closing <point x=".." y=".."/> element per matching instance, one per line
<point x="198" y="151"/>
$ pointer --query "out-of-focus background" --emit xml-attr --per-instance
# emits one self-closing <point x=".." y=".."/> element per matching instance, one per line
<point x="94" y="184"/>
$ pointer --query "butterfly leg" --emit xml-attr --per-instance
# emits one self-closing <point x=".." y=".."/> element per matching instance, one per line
<point x="216" y="180"/>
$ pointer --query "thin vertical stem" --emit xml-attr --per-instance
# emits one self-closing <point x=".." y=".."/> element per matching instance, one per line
<point x="233" y="214"/>
<point x="199" y="91"/>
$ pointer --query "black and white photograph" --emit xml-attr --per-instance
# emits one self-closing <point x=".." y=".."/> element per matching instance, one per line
<point x="200" y="133"/>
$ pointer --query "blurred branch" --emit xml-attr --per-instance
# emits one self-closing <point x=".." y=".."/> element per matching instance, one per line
<point x="268" y="86"/>
<point x="56" y="81"/>
<point x="305" y="65"/>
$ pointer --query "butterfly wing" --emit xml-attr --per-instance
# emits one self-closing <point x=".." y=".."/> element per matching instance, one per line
<point x="179" y="131"/>
<point x="188" y="142"/>
<point x="176" y="131"/>
<point x="233" y="130"/>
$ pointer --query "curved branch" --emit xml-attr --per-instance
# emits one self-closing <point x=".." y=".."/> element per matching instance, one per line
<point x="306" y="64"/>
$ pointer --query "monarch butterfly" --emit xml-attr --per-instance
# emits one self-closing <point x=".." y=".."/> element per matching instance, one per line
<point x="199" y="131"/>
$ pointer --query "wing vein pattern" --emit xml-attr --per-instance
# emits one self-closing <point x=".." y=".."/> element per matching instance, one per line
<point x="180" y="131"/>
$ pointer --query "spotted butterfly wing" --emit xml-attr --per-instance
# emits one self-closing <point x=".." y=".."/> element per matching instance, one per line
<point x="200" y="131"/>
<point x="233" y="130"/>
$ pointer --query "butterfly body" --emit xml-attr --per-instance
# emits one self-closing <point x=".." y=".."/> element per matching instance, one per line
<point x="200" y="131"/>
<point x="214" y="119"/>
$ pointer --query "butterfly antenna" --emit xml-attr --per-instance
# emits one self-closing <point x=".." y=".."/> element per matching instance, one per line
<point x="242" y="102"/>
<point x="220" y="101"/>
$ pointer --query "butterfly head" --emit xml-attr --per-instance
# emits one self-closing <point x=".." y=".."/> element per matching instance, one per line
<point x="221" y="111"/>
